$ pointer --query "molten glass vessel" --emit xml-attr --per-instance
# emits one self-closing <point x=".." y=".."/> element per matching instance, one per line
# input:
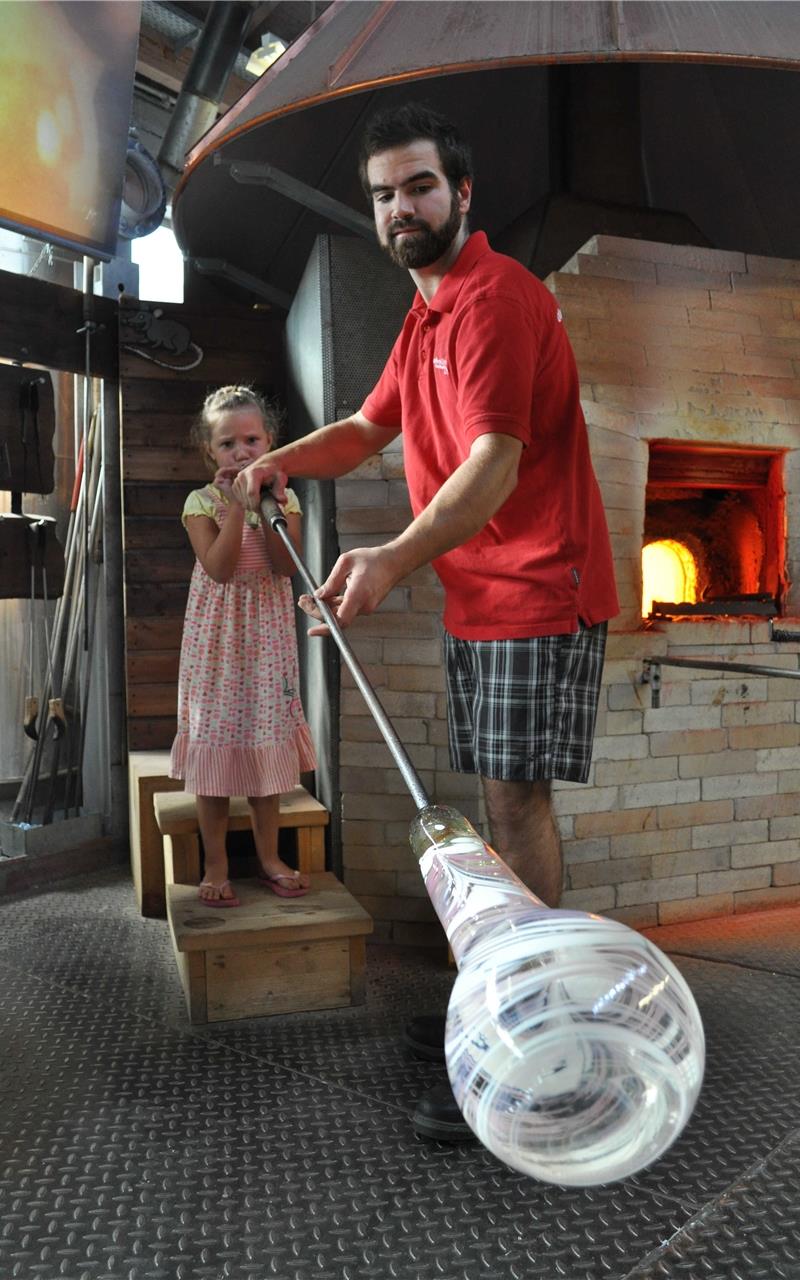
<point x="574" y="1046"/>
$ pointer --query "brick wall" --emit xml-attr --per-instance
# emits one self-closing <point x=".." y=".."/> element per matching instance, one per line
<point x="691" y="808"/>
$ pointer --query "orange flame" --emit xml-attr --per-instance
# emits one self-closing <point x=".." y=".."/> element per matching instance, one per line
<point x="668" y="573"/>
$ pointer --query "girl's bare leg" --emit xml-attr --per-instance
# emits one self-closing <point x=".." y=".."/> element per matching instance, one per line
<point x="264" y="812"/>
<point x="212" y="817"/>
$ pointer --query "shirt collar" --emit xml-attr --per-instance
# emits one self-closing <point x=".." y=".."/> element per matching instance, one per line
<point x="446" y="295"/>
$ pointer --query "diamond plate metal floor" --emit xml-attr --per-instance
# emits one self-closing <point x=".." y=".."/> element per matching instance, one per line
<point x="133" y="1146"/>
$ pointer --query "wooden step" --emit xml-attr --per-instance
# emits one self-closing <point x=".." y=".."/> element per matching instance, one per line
<point x="176" y="818"/>
<point x="148" y="772"/>
<point x="270" y="955"/>
<point x="176" y="811"/>
<point x="148" y="775"/>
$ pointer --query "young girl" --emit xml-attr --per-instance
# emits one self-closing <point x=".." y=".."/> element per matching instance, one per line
<point x="241" y="729"/>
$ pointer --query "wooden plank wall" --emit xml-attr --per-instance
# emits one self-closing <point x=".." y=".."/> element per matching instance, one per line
<point x="159" y="468"/>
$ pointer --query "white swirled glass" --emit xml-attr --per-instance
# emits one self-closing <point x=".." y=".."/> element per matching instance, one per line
<point x="574" y="1047"/>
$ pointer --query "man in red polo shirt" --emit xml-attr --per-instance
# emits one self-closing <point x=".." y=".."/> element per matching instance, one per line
<point x="483" y="385"/>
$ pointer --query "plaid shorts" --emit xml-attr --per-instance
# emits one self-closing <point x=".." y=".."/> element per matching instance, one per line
<point x="524" y="709"/>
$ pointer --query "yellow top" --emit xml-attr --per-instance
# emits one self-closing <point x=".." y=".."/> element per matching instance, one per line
<point x="200" y="502"/>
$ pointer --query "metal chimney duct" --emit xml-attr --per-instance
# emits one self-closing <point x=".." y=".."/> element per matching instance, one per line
<point x="201" y="92"/>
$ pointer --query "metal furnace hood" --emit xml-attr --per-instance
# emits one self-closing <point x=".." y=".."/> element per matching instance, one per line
<point x="486" y="64"/>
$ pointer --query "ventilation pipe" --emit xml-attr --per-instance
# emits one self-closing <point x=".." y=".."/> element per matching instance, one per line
<point x="201" y="92"/>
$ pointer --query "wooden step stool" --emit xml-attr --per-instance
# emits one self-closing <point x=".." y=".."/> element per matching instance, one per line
<point x="176" y="819"/>
<point x="270" y="955"/>
<point x="148" y="772"/>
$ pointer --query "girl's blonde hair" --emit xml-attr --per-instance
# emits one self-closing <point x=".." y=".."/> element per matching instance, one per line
<point x="224" y="400"/>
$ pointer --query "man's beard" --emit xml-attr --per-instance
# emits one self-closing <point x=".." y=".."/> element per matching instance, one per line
<point x="427" y="246"/>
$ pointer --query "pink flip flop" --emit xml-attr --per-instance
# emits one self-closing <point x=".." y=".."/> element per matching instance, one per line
<point x="273" y="883"/>
<point x="218" y="902"/>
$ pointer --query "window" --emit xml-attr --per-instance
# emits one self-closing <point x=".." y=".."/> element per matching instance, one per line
<point x="160" y="263"/>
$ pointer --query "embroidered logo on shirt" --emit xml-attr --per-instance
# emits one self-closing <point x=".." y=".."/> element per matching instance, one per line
<point x="440" y="363"/>
<point x="559" y="315"/>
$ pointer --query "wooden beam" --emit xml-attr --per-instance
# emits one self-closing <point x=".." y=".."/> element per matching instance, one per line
<point x="259" y="17"/>
<point x="40" y="323"/>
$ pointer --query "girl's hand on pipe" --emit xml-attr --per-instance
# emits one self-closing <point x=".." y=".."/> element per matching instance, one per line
<point x="224" y="481"/>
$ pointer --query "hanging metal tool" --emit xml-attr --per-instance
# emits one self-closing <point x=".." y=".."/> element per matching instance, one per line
<point x="72" y="620"/>
<point x="29" y="432"/>
<point x="77" y="622"/>
<point x="23" y="404"/>
<point x="24" y="803"/>
<point x="57" y="724"/>
<point x="88" y="327"/>
<point x="72" y="786"/>
<point x="92" y="496"/>
<point x="55" y="719"/>
<point x="38" y="531"/>
<point x="31" y="712"/>
<point x="42" y="531"/>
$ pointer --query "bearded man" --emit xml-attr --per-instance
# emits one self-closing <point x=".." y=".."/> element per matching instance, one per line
<point x="482" y="383"/>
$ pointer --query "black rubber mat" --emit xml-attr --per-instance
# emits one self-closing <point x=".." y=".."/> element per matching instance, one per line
<point x="134" y="1146"/>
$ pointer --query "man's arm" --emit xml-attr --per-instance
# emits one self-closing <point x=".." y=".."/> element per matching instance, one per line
<point x="323" y="455"/>
<point x="466" y="502"/>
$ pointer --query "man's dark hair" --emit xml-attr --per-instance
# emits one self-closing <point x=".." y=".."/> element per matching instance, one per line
<point x="397" y="126"/>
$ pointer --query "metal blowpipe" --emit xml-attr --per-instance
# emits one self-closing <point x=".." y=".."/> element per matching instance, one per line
<point x="574" y="1046"/>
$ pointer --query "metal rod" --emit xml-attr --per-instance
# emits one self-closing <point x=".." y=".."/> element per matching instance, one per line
<point x="74" y="782"/>
<point x="702" y="664"/>
<point x="255" y="173"/>
<point x="274" y="517"/>
<point x="780" y="636"/>
<point x="221" y="267"/>
<point x="87" y="329"/>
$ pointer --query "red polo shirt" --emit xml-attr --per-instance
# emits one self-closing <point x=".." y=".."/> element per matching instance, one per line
<point x="490" y="354"/>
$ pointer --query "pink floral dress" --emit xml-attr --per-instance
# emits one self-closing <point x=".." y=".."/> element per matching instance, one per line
<point x="241" y="728"/>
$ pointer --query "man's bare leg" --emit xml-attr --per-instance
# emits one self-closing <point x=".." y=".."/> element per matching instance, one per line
<point x="524" y="833"/>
